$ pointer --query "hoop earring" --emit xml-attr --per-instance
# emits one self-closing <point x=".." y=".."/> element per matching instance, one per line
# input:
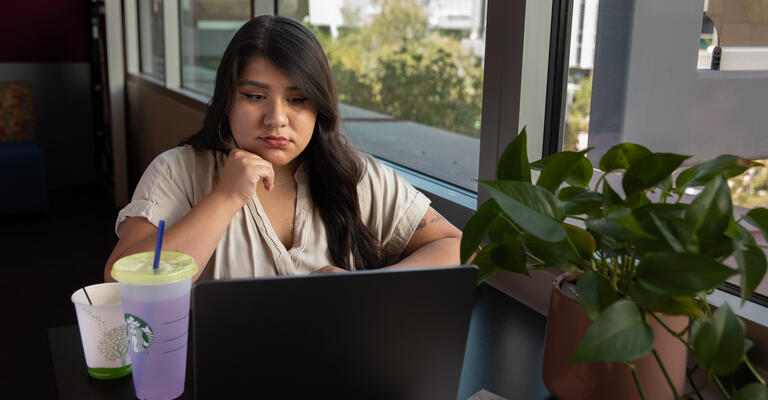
<point x="223" y="142"/>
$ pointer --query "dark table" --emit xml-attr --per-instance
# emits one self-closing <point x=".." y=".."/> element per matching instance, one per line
<point x="503" y="356"/>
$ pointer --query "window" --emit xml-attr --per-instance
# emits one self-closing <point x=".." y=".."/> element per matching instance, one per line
<point x="409" y="76"/>
<point x="206" y="27"/>
<point x="632" y="80"/>
<point x="151" y="43"/>
<point x="580" y="65"/>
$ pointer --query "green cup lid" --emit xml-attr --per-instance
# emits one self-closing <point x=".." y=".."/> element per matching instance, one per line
<point x="136" y="269"/>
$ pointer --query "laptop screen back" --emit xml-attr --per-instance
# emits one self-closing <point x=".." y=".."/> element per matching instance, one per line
<point x="383" y="334"/>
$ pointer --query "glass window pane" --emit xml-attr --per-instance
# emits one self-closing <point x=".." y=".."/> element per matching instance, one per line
<point x="207" y="26"/>
<point x="639" y="73"/>
<point x="580" y="65"/>
<point x="151" y="43"/>
<point x="409" y="75"/>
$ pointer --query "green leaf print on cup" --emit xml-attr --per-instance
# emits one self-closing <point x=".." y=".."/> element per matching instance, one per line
<point x="114" y="345"/>
<point x="97" y="319"/>
<point x="140" y="335"/>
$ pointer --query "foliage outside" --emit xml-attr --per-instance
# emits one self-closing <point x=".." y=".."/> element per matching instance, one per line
<point x="397" y="65"/>
<point x="641" y="251"/>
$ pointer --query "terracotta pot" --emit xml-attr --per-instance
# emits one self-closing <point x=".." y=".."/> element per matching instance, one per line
<point x="566" y="326"/>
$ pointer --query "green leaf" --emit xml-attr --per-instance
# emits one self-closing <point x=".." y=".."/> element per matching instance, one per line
<point x="716" y="247"/>
<point x="476" y="229"/>
<point x="581" y="174"/>
<point x="719" y="343"/>
<point x="704" y="341"/>
<point x="562" y="254"/>
<point x="758" y="217"/>
<point x="620" y="223"/>
<point x="752" y="267"/>
<point x="753" y="391"/>
<point x="557" y="167"/>
<point x="680" y="274"/>
<point x="621" y="156"/>
<point x="577" y="200"/>
<point x="531" y="208"/>
<point x="679" y="237"/>
<point x="666" y="184"/>
<point x="618" y="335"/>
<point x="637" y="200"/>
<point x="711" y="210"/>
<point x="610" y="197"/>
<point x="670" y="305"/>
<point x="499" y="228"/>
<point x="582" y="240"/>
<point x="643" y="215"/>
<point x="726" y="165"/>
<point x="513" y="164"/>
<point x="649" y="171"/>
<point x="595" y="293"/>
<point x="487" y="268"/>
<point x="510" y="255"/>
<point x="744" y="237"/>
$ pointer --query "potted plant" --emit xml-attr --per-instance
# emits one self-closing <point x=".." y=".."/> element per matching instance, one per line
<point x="641" y="253"/>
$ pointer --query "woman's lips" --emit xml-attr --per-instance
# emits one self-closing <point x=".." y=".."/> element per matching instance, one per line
<point x="276" y="141"/>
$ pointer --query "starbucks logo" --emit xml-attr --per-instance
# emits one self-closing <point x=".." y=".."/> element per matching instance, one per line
<point x="140" y="335"/>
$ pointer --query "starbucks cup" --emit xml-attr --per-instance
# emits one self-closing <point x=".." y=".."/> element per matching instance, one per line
<point x="156" y="307"/>
<point x="102" y="330"/>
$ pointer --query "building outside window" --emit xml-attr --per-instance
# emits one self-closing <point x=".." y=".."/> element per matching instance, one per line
<point x="206" y="27"/>
<point x="151" y="44"/>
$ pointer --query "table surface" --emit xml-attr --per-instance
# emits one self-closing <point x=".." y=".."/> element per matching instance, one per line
<point x="502" y="358"/>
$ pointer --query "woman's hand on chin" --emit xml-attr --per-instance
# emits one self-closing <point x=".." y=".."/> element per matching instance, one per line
<point x="242" y="174"/>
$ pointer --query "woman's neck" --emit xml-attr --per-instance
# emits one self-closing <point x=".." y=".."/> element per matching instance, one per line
<point x="285" y="174"/>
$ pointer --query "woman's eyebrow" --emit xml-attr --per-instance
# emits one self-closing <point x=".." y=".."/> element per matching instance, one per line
<point x="251" y="82"/>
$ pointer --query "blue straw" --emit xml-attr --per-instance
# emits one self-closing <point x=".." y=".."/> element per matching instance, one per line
<point x="158" y="245"/>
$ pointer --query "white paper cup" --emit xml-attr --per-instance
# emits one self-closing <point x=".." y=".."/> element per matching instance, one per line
<point x="102" y="329"/>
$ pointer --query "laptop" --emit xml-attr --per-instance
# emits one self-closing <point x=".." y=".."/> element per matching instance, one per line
<point x="379" y="334"/>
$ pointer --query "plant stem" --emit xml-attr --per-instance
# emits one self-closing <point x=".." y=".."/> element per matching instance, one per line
<point x="537" y="259"/>
<point x="754" y="372"/>
<point x="672" y="332"/>
<point x="695" y="390"/>
<point x="666" y="374"/>
<point x="602" y="178"/>
<point x="721" y="387"/>
<point x="631" y="367"/>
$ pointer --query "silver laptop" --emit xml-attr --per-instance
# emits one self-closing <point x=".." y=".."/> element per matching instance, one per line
<point x="380" y="334"/>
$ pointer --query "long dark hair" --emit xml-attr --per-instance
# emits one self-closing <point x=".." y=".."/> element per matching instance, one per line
<point x="334" y="169"/>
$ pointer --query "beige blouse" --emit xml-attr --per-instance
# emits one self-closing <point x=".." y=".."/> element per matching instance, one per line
<point x="180" y="178"/>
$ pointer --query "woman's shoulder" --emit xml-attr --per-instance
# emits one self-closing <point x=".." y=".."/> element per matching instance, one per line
<point x="185" y="157"/>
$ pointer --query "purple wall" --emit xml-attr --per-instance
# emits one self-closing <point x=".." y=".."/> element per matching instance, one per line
<point x="33" y="31"/>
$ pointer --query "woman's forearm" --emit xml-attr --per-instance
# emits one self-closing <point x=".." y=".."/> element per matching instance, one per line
<point x="439" y="252"/>
<point x="196" y="234"/>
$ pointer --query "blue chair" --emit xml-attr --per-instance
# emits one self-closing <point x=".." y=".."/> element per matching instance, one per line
<point x="23" y="183"/>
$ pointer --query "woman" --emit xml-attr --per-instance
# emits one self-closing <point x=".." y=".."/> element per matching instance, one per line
<point x="270" y="187"/>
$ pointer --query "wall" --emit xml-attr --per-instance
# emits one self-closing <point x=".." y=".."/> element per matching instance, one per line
<point x="157" y="122"/>
<point x="46" y="43"/>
